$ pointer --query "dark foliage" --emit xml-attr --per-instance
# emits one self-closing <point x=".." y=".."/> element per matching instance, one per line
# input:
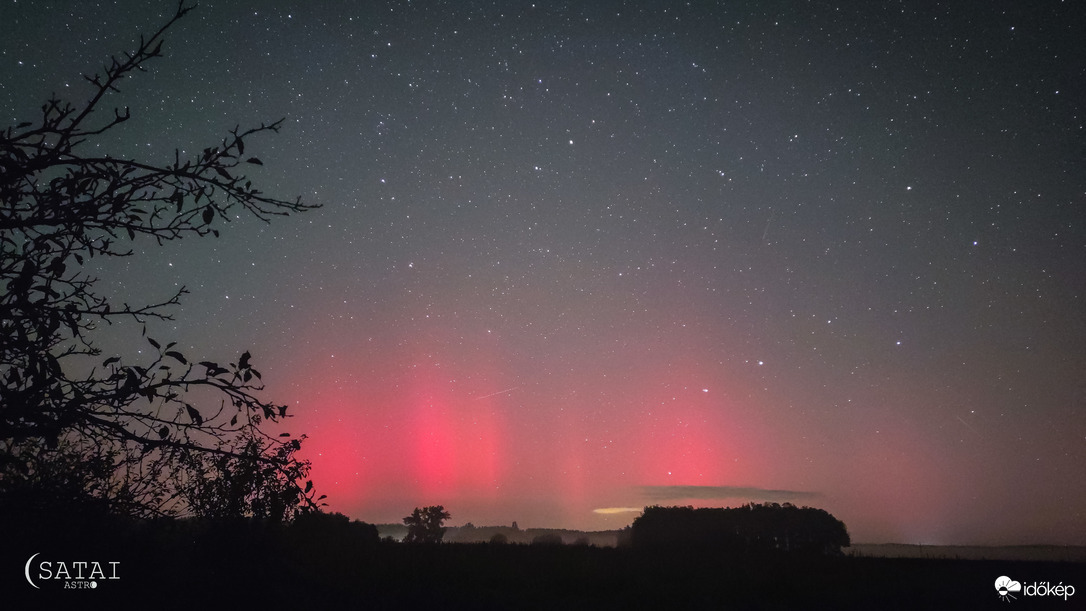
<point x="163" y="436"/>
<point x="751" y="528"/>
<point x="331" y="539"/>
<point x="547" y="539"/>
<point x="426" y="524"/>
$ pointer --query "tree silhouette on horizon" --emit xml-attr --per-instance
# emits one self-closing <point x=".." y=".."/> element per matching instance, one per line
<point x="426" y="524"/>
<point x="750" y="528"/>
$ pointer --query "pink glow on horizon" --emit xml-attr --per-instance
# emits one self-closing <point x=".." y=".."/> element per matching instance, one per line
<point x="432" y="441"/>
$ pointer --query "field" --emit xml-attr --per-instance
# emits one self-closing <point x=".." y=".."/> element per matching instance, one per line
<point x="244" y="566"/>
<point x="1041" y="553"/>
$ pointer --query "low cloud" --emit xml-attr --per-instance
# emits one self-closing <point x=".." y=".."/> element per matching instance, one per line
<point x="670" y="493"/>
<point x="618" y="510"/>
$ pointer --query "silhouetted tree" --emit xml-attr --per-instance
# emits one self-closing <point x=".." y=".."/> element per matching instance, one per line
<point x="499" y="539"/>
<point x="254" y="480"/>
<point x="425" y="525"/>
<point x="753" y="527"/>
<point x="137" y="435"/>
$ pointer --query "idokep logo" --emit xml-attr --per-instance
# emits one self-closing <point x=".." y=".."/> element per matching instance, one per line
<point x="76" y="575"/>
<point x="1007" y="587"/>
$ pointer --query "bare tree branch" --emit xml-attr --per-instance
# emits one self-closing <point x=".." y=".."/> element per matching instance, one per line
<point x="162" y="437"/>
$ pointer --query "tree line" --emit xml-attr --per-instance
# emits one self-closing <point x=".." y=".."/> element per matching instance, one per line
<point x="749" y="528"/>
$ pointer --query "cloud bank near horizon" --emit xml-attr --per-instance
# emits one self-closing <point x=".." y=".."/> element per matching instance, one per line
<point x="670" y="493"/>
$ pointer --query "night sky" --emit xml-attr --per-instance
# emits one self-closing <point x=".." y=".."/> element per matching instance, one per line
<point x="577" y="256"/>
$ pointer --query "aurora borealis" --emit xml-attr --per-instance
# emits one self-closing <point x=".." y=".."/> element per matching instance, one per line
<point x="580" y="256"/>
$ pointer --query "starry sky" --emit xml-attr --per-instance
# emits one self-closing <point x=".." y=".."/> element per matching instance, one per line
<point x="576" y="258"/>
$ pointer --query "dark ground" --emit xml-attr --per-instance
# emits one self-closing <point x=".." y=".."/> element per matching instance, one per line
<point x="240" y="565"/>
